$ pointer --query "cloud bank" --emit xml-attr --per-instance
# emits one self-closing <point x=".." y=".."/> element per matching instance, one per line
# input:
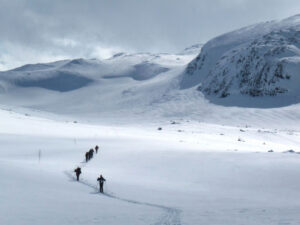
<point x="43" y="30"/>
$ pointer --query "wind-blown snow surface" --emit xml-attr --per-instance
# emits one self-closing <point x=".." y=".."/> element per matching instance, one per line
<point x="204" y="174"/>
<point x="260" y="60"/>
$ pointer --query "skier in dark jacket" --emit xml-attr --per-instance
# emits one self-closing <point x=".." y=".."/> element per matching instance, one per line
<point x="91" y="153"/>
<point x="96" y="148"/>
<point x="78" y="172"/>
<point x="101" y="181"/>
<point x="87" y="156"/>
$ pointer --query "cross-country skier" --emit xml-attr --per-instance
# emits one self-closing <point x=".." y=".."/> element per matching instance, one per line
<point x="101" y="182"/>
<point x="96" y="148"/>
<point x="87" y="156"/>
<point x="91" y="153"/>
<point x="78" y="172"/>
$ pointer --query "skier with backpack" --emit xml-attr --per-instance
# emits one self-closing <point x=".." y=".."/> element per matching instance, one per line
<point x="91" y="153"/>
<point x="78" y="172"/>
<point x="87" y="156"/>
<point x="101" y="181"/>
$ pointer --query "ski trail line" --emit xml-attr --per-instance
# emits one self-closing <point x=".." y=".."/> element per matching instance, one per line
<point x="171" y="215"/>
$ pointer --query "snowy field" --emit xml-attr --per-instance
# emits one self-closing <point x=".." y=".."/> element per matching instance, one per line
<point x="187" y="173"/>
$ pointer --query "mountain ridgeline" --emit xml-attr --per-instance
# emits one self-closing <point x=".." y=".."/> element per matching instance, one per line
<point x="260" y="60"/>
<point x="257" y="66"/>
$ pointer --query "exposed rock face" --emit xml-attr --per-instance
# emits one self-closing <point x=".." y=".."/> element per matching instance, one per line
<point x="260" y="60"/>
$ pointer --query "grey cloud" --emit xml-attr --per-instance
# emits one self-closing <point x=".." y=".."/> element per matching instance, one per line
<point x="83" y="28"/>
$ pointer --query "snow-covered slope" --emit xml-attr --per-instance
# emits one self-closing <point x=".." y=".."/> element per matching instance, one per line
<point x="68" y="75"/>
<point x="127" y="88"/>
<point x="241" y="68"/>
<point x="259" y="60"/>
<point x="204" y="174"/>
<point x="125" y="82"/>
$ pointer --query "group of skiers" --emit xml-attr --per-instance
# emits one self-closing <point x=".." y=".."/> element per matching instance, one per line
<point x="88" y="156"/>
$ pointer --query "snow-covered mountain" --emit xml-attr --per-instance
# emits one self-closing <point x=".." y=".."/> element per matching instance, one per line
<point x="124" y="84"/>
<point x="68" y="75"/>
<point x="130" y="87"/>
<point x="254" y="67"/>
<point x="259" y="60"/>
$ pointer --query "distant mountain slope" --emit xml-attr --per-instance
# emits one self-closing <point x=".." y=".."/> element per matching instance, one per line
<point x="123" y="84"/>
<point x="69" y="75"/>
<point x="128" y="88"/>
<point x="259" y="60"/>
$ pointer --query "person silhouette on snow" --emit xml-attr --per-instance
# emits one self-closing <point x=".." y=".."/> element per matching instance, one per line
<point x="87" y="156"/>
<point x="78" y="172"/>
<point x="101" y="181"/>
<point x="96" y="148"/>
<point x="91" y="153"/>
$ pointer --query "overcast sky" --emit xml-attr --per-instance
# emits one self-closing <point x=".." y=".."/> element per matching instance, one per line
<point x="45" y="30"/>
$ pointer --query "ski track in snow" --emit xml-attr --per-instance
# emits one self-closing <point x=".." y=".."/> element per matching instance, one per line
<point x="171" y="215"/>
